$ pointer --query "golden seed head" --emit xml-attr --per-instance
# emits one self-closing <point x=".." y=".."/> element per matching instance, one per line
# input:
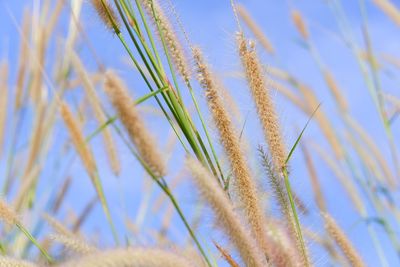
<point x="12" y="262"/>
<point x="168" y="33"/>
<point x="134" y="125"/>
<point x="244" y="183"/>
<point x="227" y="219"/>
<point x="73" y="243"/>
<point x="78" y="138"/>
<point x="107" y="14"/>
<point x="342" y="241"/>
<point x="300" y="24"/>
<point x="125" y="257"/>
<point x="263" y="102"/>
<point x="7" y="215"/>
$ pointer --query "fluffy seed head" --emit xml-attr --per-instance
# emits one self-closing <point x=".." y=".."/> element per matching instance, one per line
<point x="225" y="254"/>
<point x="131" y="257"/>
<point x="342" y="241"/>
<point x="167" y="32"/>
<point x="300" y="24"/>
<point x="7" y="215"/>
<point x="77" y="138"/>
<point x="57" y="225"/>
<point x="245" y="185"/>
<point x="107" y="14"/>
<point x="11" y="262"/>
<point x="73" y="243"/>
<point x="264" y="104"/>
<point x="226" y="216"/>
<point x="94" y="101"/>
<point x="134" y="125"/>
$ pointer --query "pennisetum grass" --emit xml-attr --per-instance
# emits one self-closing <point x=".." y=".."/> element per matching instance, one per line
<point x="300" y="24"/>
<point x="342" y="241"/>
<point x="99" y="114"/>
<point x="254" y="234"/>
<point x="8" y="216"/>
<point x="225" y="254"/>
<point x="245" y="186"/>
<point x="131" y="257"/>
<point x="12" y="262"/>
<point x="227" y="218"/>
<point x="87" y="158"/>
<point x="264" y="105"/>
<point x="135" y="127"/>
<point x="73" y="243"/>
<point x="270" y="125"/>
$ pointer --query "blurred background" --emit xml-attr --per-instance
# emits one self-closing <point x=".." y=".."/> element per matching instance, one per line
<point x="355" y="41"/>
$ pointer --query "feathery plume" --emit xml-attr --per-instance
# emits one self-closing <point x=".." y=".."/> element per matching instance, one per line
<point x="298" y="21"/>
<point x="38" y="62"/>
<point x="78" y="139"/>
<point x="3" y="102"/>
<point x="389" y="9"/>
<point x="57" y="225"/>
<point x="11" y="262"/>
<point x="258" y="33"/>
<point x="278" y="188"/>
<point x="245" y="185"/>
<point x="225" y="254"/>
<point x="342" y="241"/>
<point x="270" y="125"/>
<point x="7" y="215"/>
<point x="87" y="158"/>
<point x="135" y="127"/>
<point x="74" y="244"/>
<point x="98" y="112"/>
<point x="107" y="14"/>
<point x="264" y="104"/>
<point x="225" y="214"/>
<point x="166" y="31"/>
<point x="131" y="257"/>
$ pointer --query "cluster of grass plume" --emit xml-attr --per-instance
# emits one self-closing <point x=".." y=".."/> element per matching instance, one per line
<point x="229" y="179"/>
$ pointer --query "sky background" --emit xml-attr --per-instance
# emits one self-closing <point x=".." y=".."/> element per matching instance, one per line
<point x="211" y="25"/>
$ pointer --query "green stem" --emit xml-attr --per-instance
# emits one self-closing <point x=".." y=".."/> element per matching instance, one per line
<point x="34" y="241"/>
<point x="296" y="218"/>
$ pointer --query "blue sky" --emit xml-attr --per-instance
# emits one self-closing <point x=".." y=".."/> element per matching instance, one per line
<point x="211" y="25"/>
